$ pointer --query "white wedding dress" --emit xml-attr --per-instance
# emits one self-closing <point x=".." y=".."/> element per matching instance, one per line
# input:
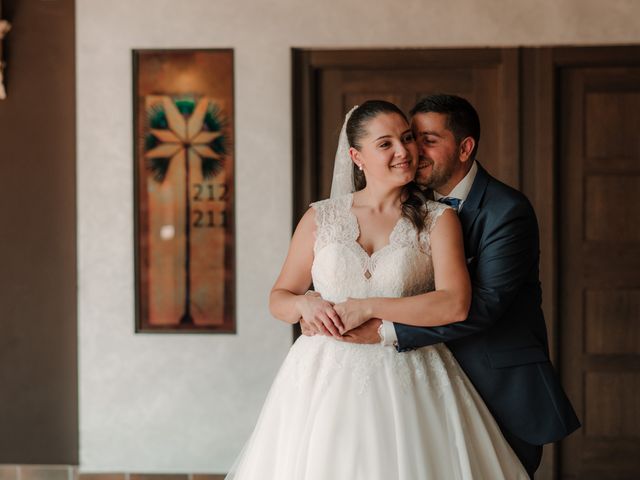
<point x="341" y="411"/>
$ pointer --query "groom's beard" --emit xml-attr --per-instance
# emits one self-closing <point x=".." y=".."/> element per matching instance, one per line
<point x="437" y="177"/>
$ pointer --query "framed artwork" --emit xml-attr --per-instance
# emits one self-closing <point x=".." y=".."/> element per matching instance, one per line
<point x="184" y="190"/>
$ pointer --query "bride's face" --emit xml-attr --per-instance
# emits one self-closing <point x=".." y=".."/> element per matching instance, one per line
<point x="388" y="152"/>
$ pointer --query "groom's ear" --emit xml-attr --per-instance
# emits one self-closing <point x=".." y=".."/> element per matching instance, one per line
<point x="466" y="148"/>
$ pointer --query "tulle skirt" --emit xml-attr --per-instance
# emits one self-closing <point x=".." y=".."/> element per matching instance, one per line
<point x="339" y="411"/>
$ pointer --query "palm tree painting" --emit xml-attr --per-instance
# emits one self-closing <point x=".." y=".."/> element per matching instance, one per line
<point x="185" y="147"/>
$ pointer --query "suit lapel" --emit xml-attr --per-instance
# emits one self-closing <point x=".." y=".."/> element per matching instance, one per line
<point x="471" y="206"/>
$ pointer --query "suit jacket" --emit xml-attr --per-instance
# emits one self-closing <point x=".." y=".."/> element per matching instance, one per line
<point x="503" y="346"/>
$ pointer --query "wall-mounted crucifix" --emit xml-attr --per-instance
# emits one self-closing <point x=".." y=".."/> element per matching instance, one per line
<point x="4" y="29"/>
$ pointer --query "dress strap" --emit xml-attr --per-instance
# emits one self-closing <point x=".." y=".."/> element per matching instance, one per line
<point x="332" y="220"/>
<point x="434" y="211"/>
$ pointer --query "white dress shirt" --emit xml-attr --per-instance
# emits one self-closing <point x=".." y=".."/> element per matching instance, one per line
<point x="461" y="192"/>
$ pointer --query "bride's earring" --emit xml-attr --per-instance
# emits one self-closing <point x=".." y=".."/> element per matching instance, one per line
<point x="360" y="167"/>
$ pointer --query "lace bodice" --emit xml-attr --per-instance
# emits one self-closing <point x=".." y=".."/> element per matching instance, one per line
<point x="341" y="267"/>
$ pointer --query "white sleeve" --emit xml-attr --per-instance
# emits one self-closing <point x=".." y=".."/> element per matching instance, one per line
<point x="389" y="332"/>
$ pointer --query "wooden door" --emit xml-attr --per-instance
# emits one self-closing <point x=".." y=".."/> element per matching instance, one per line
<point x="600" y="268"/>
<point x="331" y="82"/>
<point x="326" y="84"/>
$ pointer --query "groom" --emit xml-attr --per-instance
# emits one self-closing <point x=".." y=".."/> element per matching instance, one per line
<point x="502" y="346"/>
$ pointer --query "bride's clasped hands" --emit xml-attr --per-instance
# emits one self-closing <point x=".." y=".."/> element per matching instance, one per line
<point x="347" y="321"/>
<point x="319" y="316"/>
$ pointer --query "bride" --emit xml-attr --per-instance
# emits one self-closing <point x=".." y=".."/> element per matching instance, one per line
<point x="376" y="249"/>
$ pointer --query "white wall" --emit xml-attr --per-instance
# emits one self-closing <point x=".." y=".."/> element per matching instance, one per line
<point x="171" y="403"/>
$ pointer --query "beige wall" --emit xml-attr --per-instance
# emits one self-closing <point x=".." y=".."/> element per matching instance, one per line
<point x="168" y="403"/>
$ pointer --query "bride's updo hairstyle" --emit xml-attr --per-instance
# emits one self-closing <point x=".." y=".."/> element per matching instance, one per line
<point x="412" y="206"/>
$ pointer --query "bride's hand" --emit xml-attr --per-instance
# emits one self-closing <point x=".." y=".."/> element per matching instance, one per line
<point x="320" y="315"/>
<point x="353" y="312"/>
<point x="307" y="329"/>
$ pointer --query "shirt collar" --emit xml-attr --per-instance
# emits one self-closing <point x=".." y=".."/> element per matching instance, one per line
<point x="462" y="189"/>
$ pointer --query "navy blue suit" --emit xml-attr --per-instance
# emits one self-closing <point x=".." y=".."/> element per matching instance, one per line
<point x="503" y="346"/>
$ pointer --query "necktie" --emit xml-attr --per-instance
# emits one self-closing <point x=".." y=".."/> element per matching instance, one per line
<point x="452" y="202"/>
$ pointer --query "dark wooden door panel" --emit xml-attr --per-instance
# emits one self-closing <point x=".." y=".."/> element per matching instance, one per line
<point x="331" y="82"/>
<point x="600" y="268"/>
<point x="340" y="89"/>
<point x="611" y="317"/>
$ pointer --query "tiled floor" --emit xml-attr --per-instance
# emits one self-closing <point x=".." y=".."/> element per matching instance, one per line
<point x="36" y="472"/>
<point x="65" y="472"/>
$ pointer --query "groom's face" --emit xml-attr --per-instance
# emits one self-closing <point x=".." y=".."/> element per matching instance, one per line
<point x="437" y="150"/>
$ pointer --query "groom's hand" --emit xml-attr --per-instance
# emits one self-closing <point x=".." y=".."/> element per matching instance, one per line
<point x="365" y="333"/>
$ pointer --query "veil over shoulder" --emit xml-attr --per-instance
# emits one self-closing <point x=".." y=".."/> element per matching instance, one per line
<point x="342" y="182"/>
